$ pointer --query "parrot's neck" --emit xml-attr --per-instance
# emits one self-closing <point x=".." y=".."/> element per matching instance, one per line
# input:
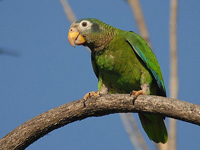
<point x="99" y="42"/>
<point x="96" y="49"/>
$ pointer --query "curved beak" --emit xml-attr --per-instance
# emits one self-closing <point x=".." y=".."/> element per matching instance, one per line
<point x="75" y="38"/>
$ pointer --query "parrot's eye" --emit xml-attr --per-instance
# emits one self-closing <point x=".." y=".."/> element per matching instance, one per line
<point x="84" y="24"/>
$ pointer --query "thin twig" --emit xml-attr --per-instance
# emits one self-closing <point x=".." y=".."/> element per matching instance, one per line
<point x="137" y="11"/>
<point x="68" y="11"/>
<point x="130" y="131"/>
<point x="173" y="70"/>
<point x="137" y="131"/>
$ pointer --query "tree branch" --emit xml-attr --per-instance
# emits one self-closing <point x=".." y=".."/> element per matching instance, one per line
<point x="35" y="128"/>
<point x="68" y="11"/>
<point x="130" y="130"/>
<point x="172" y="144"/>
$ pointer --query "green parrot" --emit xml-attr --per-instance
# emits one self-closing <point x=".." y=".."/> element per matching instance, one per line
<point x="123" y="63"/>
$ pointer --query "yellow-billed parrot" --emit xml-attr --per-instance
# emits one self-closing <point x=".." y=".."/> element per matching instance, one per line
<point x="123" y="63"/>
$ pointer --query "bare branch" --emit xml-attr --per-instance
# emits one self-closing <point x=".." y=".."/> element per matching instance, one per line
<point x="173" y="71"/>
<point x="137" y="131"/>
<point x="173" y="48"/>
<point x="130" y="131"/>
<point x="68" y="11"/>
<point x="35" y="128"/>
<point x="137" y="11"/>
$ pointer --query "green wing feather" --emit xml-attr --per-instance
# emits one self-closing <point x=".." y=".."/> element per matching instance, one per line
<point x="147" y="56"/>
<point x="152" y="124"/>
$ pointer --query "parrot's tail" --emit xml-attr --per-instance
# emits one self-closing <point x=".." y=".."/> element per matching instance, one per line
<point x="154" y="126"/>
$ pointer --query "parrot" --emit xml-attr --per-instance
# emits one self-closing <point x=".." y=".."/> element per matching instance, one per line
<point x="123" y="63"/>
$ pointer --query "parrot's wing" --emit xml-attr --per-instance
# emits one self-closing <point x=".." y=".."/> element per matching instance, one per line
<point x="145" y="53"/>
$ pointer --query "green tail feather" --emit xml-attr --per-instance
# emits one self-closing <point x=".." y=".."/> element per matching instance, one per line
<point x="154" y="126"/>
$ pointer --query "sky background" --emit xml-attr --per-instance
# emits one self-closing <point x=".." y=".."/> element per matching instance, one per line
<point x="40" y="70"/>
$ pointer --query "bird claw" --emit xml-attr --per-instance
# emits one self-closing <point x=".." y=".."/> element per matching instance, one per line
<point x="136" y="94"/>
<point x="90" y="94"/>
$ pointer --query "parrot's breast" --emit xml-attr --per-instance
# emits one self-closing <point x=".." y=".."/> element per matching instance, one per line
<point x="120" y="70"/>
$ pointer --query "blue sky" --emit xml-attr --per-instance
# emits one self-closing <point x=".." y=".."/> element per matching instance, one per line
<point x="40" y="70"/>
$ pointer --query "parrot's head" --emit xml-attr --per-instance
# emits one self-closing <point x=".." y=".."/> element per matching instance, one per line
<point x="89" y="32"/>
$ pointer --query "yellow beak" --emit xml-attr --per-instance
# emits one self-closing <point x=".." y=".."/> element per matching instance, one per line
<point x="75" y="38"/>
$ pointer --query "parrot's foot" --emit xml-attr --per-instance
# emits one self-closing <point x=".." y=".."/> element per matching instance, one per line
<point x="90" y="94"/>
<point x="136" y="94"/>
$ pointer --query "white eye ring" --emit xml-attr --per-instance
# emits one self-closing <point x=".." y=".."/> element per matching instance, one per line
<point x="85" y="24"/>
